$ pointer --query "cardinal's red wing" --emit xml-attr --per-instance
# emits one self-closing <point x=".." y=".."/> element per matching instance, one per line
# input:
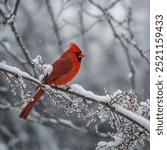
<point x="60" y="68"/>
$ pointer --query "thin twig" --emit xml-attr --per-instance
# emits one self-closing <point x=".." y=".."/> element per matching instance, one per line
<point x="112" y="4"/>
<point x="12" y="14"/>
<point x="15" y="57"/>
<point x="16" y="7"/>
<point x="129" y="20"/>
<point x="137" y="48"/>
<point x="22" y="46"/>
<point x="21" y="43"/>
<point x="55" y="26"/>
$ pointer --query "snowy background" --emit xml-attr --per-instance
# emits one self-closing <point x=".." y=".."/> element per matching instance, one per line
<point x="106" y="63"/>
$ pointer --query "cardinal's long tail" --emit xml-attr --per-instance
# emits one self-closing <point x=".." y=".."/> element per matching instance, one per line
<point x="27" y="109"/>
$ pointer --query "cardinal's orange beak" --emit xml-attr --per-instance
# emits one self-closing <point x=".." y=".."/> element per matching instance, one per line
<point x="81" y="55"/>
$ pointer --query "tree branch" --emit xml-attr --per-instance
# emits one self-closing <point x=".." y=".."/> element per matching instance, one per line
<point x="8" y="51"/>
<point x="137" y="48"/>
<point x="16" y="7"/>
<point x="54" y="121"/>
<point x="130" y="64"/>
<point x="88" y="96"/>
<point x="11" y="21"/>
<point x="55" y="26"/>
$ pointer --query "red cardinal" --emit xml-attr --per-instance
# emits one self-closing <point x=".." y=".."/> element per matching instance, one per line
<point x="64" y="70"/>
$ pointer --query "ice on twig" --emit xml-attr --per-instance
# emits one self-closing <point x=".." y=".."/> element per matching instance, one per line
<point x="47" y="69"/>
<point x="38" y="60"/>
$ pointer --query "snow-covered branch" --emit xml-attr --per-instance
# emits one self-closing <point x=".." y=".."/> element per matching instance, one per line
<point x="80" y="92"/>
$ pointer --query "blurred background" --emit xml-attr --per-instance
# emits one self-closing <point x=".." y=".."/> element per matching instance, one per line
<point x="47" y="28"/>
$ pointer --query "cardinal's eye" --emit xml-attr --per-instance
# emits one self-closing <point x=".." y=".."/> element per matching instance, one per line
<point x="77" y="54"/>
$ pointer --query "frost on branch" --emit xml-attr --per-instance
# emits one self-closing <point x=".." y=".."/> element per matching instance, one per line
<point x="46" y="69"/>
<point x="108" y="145"/>
<point x="128" y="119"/>
<point x="117" y="110"/>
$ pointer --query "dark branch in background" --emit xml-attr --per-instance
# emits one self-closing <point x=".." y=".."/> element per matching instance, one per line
<point x="55" y="26"/>
<point x="12" y="14"/>
<point x="130" y="41"/>
<point x="13" y="140"/>
<point x="16" y="7"/>
<point x="85" y="98"/>
<point x="129" y="19"/>
<point x="65" y="4"/>
<point x="44" y="120"/>
<point x="137" y="48"/>
<point x="112" y="4"/>
<point x="117" y="36"/>
<point x="20" y="40"/>
<point x="11" y="21"/>
<point x="2" y="13"/>
<point x="100" y="18"/>
<point x="54" y="121"/>
<point x="82" y="29"/>
<point x="21" y="44"/>
<point x="8" y="51"/>
<point x="85" y="29"/>
<point x="20" y="61"/>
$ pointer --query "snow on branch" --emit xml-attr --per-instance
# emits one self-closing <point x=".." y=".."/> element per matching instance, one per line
<point x="121" y="109"/>
<point x="17" y="72"/>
